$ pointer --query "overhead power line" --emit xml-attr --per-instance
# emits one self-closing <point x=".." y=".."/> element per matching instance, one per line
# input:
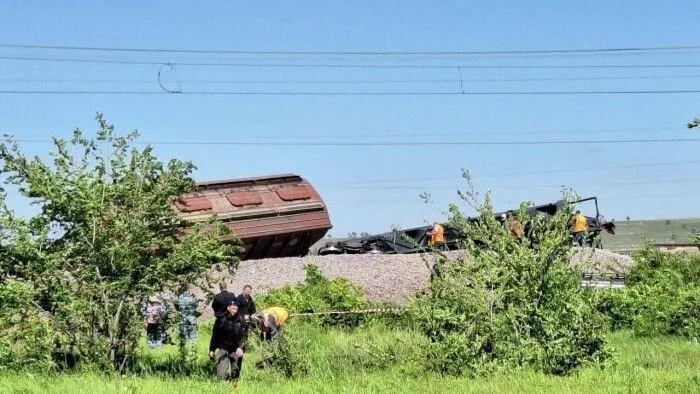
<point x="351" y="66"/>
<point x="463" y="134"/>
<point x="509" y="174"/>
<point x="351" y="53"/>
<point x="375" y="93"/>
<point x="419" y="201"/>
<point x="636" y="183"/>
<point x="348" y="81"/>
<point x="399" y="143"/>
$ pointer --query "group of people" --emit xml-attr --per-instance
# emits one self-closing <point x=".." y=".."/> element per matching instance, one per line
<point x="579" y="230"/>
<point x="579" y="227"/>
<point x="156" y="315"/>
<point x="234" y="316"/>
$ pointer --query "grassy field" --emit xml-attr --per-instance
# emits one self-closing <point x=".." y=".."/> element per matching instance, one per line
<point x="347" y="362"/>
<point x="629" y="234"/>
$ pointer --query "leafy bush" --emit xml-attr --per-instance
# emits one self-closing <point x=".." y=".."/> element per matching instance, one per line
<point x="684" y="316"/>
<point x="320" y="294"/>
<point x="517" y="303"/>
<point x="661" y="297"/>
<point x="105" y="238"/>
<point x="653" y="266"/>
<point x="26" y="340"/>
<point x="618" y="307"/>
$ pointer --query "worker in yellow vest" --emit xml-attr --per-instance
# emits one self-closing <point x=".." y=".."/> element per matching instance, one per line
<point x="579" y="227"/>
<point x="269" y="321"/>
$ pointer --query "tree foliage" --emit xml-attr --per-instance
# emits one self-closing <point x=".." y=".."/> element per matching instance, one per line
<point x="105" y="239"/>
<point x="512" y="301"/>
<point x="661" y="297"/>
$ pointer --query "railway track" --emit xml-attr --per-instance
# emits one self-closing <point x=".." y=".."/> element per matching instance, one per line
<point x="609" y="280"/>
<point x="605" y="284"/>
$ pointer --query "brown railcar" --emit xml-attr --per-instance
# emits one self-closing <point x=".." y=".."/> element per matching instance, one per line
<point x="275" y="216"/>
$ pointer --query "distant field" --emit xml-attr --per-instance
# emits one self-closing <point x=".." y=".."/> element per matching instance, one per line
<point x="629" y="234"/>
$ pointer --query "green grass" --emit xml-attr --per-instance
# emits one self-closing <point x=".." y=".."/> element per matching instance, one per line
<point x="629" y="234"/>
<point x="350" y="362"/>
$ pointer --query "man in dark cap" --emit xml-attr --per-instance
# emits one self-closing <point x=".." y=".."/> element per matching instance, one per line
<point x="227" y="343"/>
<point x="222" y="300"/>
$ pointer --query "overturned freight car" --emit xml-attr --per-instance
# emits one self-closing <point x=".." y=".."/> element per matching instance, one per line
<point x="274" y="216"/>
<point x="415" y="240"/>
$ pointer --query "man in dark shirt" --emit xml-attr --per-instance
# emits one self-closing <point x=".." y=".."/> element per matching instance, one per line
<point x="222" y="300"/>
<point x="246" y="304"/>
<point x="227" y="343"/>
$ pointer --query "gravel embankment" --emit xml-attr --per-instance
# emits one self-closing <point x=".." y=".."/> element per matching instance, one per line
<point x="601" y="260"/>
<point x="395" y="278"/>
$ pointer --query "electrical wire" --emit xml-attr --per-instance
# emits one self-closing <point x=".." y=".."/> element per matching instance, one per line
<point x="636" y="183"/>
<point x="362" y="134"/>
<point x="397" y="143"/>
<point x="510" y="174"/>
<point x="384" y="143"/>
<point x="350" y="53"/>
<point x="421" y="202"/>
<point x="348" y="81"/>
<point x="352" y="66"/>
<point x="375" y="93"/>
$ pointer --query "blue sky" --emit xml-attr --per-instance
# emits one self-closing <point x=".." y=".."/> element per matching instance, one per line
<point x="369" y="188"/>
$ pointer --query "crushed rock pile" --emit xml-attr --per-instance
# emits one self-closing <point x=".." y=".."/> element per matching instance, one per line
<point x="601" y="260"/>
<point x="385" y="277"/>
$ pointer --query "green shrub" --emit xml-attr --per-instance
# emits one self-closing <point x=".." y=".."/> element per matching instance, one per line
<point x="619" y="307"/>
<point x="512" y="304"/>
<point x="320" y="294"/>
<point x="653" y="265"/>
<point x="684" y="316"/>
<point x="662" y="295"/>
<point x="26" y="339"/>
<point x="666" y="310"/>
<point x="104" y="238"/>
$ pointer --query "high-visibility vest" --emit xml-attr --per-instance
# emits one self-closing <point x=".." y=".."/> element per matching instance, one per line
<point x="438" y="236"/>
<point x="580" y="224"/>
<point x="516" y="228"/>
<point x="281" y="315"/>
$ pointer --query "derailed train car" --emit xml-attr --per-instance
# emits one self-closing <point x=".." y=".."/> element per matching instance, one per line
<point x="274" y="216"/>
<point x="415" y="240"/>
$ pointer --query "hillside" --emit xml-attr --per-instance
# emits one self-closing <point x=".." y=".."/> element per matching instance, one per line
<point x="629" y="234"/>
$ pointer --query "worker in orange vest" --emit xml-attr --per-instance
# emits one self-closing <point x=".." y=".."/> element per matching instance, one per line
<point x="579" y="227"/>
<point x="269" y="321"/>
<point x="437" y="237"/>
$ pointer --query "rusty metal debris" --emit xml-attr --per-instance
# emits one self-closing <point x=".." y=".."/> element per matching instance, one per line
<point x="415" y="240"/>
